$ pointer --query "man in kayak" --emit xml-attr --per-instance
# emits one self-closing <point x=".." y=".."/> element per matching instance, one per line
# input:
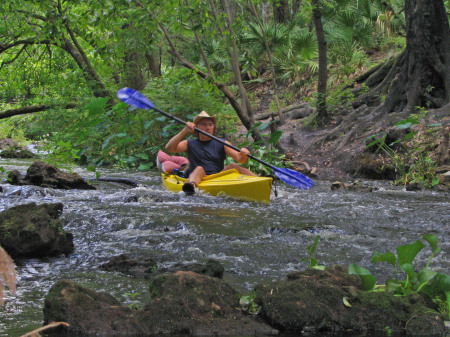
<point x="206" y="156"/>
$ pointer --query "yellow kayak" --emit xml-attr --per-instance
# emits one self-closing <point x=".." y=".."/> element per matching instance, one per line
<point x="230" y="183"/>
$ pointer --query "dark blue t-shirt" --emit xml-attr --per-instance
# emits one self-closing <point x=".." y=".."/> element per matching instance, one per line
<point x="210" y="155"/>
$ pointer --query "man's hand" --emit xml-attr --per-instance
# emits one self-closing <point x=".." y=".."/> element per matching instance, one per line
<point x="243" y="153"/>
<point x="190" y="127"/>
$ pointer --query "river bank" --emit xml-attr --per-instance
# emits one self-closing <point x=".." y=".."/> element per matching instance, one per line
<point x="254" y="242"/>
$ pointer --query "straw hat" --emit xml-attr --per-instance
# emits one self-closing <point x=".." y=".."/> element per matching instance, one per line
<point x="203" y="115"/>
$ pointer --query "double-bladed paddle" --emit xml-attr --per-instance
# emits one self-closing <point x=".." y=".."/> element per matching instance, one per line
<point x="291" y="177"/>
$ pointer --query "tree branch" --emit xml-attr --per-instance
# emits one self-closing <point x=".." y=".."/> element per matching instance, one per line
<point x="32" y="109"/>
<point x="30" y="41"/>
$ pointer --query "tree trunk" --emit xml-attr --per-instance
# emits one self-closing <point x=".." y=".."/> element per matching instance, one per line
<point x="154" y="63"/>
<point x="296" y="5"/>
<point x="323" y="73"/>
<point x="133" y="73"/>
<point x="134" y="61"/>
<point x="281" y="11"/>
<point x="420" y="75"/>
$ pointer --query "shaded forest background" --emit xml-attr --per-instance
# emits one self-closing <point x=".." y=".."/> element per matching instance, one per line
<point x="351" y="69"/>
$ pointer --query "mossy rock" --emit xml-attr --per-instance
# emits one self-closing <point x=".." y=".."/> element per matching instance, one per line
<point x="333" y="300"/>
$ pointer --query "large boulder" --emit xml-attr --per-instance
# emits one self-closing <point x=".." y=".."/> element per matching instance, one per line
<point x="182" y="303"/>
<point x="88" y="312"/>
<point x="316" y="301"/>
<point x="46" y="175"/>
<point x="32" y="230"/>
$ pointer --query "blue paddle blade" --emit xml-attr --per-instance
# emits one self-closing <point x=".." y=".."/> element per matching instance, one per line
<point x="135" y="98"/>
<point x="293" y="178"/>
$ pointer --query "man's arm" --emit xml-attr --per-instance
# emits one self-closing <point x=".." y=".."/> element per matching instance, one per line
<point x="177" y="143"/>
<point x="241" y="157"/>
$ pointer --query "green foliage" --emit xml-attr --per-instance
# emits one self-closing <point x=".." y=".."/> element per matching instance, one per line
<point x="248" y="305"/>
<point x="132" y="297"/>
<point x="436" y="285"/>
<point x="9" y="129"/>
<point x="339" y="100"/>
<point x="414" y="164"/>
<point x="311" y="259"/>
<point x="266" y="151"/>
<point x="126" y="137"/>
<point x="113" y="32"/>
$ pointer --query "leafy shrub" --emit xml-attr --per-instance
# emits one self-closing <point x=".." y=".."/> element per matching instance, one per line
<point x="435" y="285"/>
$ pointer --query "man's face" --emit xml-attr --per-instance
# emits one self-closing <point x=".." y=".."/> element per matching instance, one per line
<point x="206" y="125"/>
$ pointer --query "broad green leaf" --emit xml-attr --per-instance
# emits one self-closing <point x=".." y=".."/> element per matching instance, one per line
<point x="386" y="257"/>
<point x="145" y="167"/>
<point x="425" y="275"/>
<point x="142" y="156"/>
<point x="275" y="137"/>
<point x="366" y="277"/>
<point x="245" y="301"/>
<point x="393" y="286"/>
<point x="403" y="124"/>
<point x="435" y="181"/>
<point x="433" y="241"/>
<point x="409" y="270"/>
<point x="263" y="126"/>
<point x="407" y="253"/>
<point x="441" y="284"/>
<point x="312" y="262"/>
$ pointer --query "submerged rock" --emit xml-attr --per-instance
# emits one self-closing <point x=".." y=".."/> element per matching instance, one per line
<point x="32" y="230"/>
<point x="46" y="175"/>
<point x="126" y="264"/>
<point x="333" y="300"/>
<point x="147" y="268"/>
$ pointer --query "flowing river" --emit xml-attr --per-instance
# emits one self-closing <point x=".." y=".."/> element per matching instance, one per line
<point x="253" y="241"/>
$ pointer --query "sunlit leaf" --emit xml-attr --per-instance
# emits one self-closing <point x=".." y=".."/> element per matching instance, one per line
<point x="346" y="302"/>
<point x="275" y="137"/>
<point x="425" y="275"/>
<point x="366" y="277"/>
<point x="388" y="257"/>
<point x="433" y="241"/>
<point x="407" y="253"/>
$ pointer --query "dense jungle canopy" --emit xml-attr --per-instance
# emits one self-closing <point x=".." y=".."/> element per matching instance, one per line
<point x="362" y="65"/>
